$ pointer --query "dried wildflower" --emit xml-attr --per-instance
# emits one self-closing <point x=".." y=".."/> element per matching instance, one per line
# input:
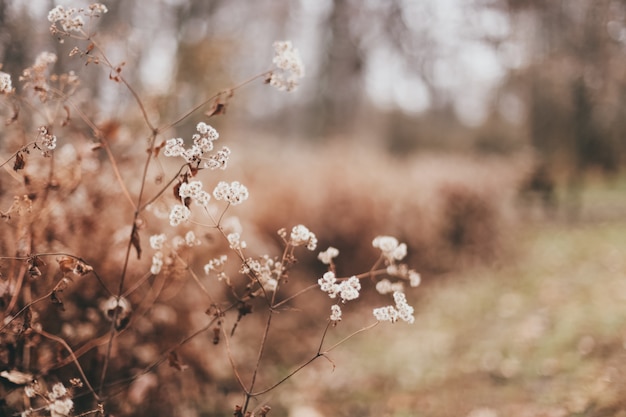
<point x="157" y="263"/>
<point x="35" y="77"/>
<point x="347" y="290"/>
<point x="71" y="19"/>
<point x="235" y="242"/>
<point x="5" y="83"/>
<point x="414" y="278"/>
<point x="174" y="147"/>
<point x="301" y="235"/>
<point x="179" y="214"/>
<point x="207" y="132"/>
<point x="60" y="407"/>
<point x="157" y="241"/>
<point x="48" y="140"/>
<point x="289" y="66"/>
<point x="58" y="391"/>
<point x="390" y="247"/>
<point x="98" y="8"/>
<point x="235" y="192"/>
<point x="118" y="310"/>
<point x="402" y="310"/>
<point x="335" y="313"/>
<point x="385" y="286"/>
<point x="218" y="160"/>
<point x="191" y="239"/>
<point x="327" y="256"/>
<point x="215" y="264"/>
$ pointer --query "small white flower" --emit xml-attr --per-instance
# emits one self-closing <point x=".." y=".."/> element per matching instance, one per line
<point x="289" y="66"/>
<point x="349" y="290"/>
<point x="5" y="83"/>
<point x="174" y="147"/>
<point x="328" y="284"/>
<point x="385" y="286"/>
<point x="402" y="310"/>
<point x="387" y="313"/>
<point x="207" y="131"/>
<point x="235" y="192"/>
<point x="157" y="241"/>
<point x="58" y="391"/>
<point x="414" y="278"/>
<point x="157" y="263"/>
<point x="301" y="235"/>
<point x="215" y="264"/>
<point x="390" y="247"/>
<point x="235" y="242"/>
<point x="191" y="239"/>
<point x="190" y="189"/>
<point x="327" y="256"/>
<point x="179" y="214"/>
<point x="335" y="313"/>
<point x="98" y="8"/>
<point x="60" y="407"/>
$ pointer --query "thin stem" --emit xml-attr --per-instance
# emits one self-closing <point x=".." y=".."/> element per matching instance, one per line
<point x="210" y="99"/>
<point x="74" y="359"/>
<point x="345" y="339"/>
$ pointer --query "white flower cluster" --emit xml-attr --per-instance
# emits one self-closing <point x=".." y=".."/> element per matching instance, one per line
<point x="35" y="77"/>
<point x="385" y="286"/>
<point x="202" y="145"/>
<point x="48" y="140"/>
<point x="157" y="242"/>
<point x="289" y="66"/>
<point x="215" y="264"/>
<point x="179" y="214"/>
<point x="402" y="310"/>
<point x="390" y="247"/>
<point x="235" y="242"/>
<point x="301" y="235"/>
<point x="266" y="270"/>
<point x="60" y="404"/>
<point x="67" y="18"/>
<point x="194" y="191"/>
<point x="335" y="313"/>
<point x="235" y="192"/>
<point x="347" y="290"/>
<point x="5" y="83"/>
<point x="327" y="256"/>
<point x="70" y="19"/>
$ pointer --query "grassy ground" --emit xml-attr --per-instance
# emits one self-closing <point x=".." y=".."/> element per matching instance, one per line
<point x="543" y="335"/>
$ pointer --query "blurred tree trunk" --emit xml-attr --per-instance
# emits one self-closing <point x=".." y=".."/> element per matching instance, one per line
<point x="341" y="80"/>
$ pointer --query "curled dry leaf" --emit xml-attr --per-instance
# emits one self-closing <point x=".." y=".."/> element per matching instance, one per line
<point x="19" y="163"/>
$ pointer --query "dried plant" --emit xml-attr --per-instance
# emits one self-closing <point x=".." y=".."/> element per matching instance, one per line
<point x="91" y="314"/>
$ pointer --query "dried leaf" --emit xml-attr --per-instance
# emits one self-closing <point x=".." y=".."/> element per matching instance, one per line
<point x="135" y="241"/>
<point x="20" y="163"/>
<point x="217" y="331"/>
<point x="67" y="116"/>
<point x="82" y="268"/>
<point x="217" y="109"/>
<point x="66" y="264"/>
<point x="55" y="299"/>
<point x="174" y="362"/>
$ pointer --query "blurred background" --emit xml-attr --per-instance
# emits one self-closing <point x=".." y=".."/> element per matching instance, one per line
<point x="487" y="134"/>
